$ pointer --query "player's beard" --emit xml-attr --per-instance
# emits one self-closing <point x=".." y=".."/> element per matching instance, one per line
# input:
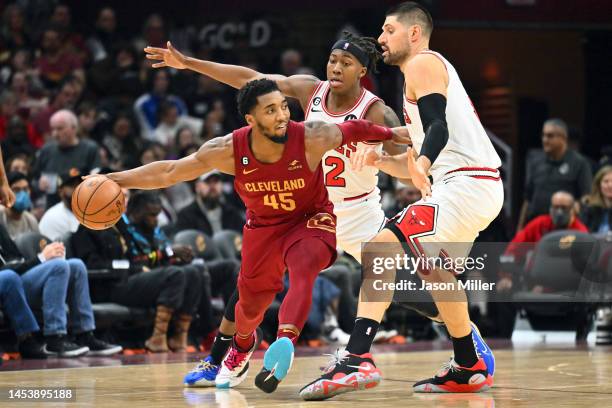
<point x="397" y="57"/>
<point x="276" y="139"/>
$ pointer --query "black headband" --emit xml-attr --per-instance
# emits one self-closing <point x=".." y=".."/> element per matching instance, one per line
<point x="357" y="52"/>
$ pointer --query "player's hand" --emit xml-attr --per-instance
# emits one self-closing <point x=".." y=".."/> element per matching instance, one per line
<point x="418" y="173"/>
<point x="401" y="136"/>
<point x="7" y="197"/>
<point x="169" y="57"/>
<point x="367" y="156"/>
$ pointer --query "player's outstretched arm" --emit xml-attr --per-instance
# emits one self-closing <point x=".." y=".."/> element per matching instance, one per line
<point x="321" y="137"/>
<point x="217" y="153"/>
<point x="296" y="86"/>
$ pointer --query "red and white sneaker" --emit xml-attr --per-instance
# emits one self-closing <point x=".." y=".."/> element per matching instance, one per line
<point x="346" y="372"/>
<point x="234" y="366"/>
<point x="454" y="378"/>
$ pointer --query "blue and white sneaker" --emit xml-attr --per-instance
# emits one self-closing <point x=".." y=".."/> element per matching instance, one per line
<point x="203" y="375"/>
<point x="276" y="365"/>
<point x="482" y="350"/>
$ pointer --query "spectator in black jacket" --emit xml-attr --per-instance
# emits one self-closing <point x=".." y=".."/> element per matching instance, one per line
<point x="209" y="212"/>
<point x="160" y="274"/>
<point x="51" y="281"/>
<point x="597" y="206"/>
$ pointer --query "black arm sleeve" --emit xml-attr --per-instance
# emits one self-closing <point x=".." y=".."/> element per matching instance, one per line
<point x="432" y="110"/>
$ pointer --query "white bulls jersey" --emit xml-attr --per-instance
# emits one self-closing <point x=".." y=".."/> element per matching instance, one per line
<point x="355" y="194"/>
<point x="341" y="180"/>
<point x="468" y="144"/>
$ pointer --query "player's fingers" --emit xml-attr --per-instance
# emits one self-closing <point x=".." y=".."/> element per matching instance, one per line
<point x="159" y="65"/>
<point x="154" y="56"/>
<point x="355" y="160"/>
<point x="155" y="50"/>
<point x="171" y="48"/>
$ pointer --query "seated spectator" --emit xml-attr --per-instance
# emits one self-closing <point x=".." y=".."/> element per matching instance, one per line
<point x="65" y="98"/>
<point x="87" y="116"/>
<point x="15" y="306"/>
<point x="170" y="122"/>
<point x="146" y="108"/>
<point x="159" y="274"/>
<point x="17" y="219"/>
<point x="19" y="163"/>
<point x="16" y="140"/>
<point x="122" y="142"/>
<point x="559" y="169"/>
<point x="597" y="206"/>
<point x="105" y="35"/>
<point x="405" y="194"/>
<point x="184" y="138"/>
<point x="65" y="154"/>
<point x="55" y="63"/>
<point x="59" y="220"/>
<point x="8" y="111"/>
<point x="209" y="213"/>
<point x="562" y="215"/>
<point x="72" y="42"/>
<point x="50" y="281"/>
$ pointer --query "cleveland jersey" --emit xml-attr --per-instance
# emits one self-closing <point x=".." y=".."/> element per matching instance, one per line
<point x="281" y="192"/>
<point x="342" y="182"/>
<point x="468" y="144"/>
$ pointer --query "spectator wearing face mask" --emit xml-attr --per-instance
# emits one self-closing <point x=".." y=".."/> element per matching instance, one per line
<point x="562" y="215"/>
<point x="17" y="219"/>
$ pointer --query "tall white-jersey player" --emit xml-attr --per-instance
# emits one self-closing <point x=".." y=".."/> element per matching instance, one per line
<point x="450" y="145"/>
<point x="354" y="193"/>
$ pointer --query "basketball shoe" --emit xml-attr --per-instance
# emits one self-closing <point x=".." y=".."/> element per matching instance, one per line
<point x="276" y="365"/>
<point x="234" y="366"/>
<point x="204" y="374"/>
<point x="345" y="372"/>
<point x="482" y="350"/>
<point x="454" y="378"/>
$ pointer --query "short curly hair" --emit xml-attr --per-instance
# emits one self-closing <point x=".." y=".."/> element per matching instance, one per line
<point x="247" y="95"/>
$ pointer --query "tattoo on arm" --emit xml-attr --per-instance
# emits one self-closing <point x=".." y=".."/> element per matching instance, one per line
<point x="391" y="119"/>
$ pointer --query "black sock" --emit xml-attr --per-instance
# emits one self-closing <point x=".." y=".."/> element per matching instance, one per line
<point x="465" y="352"/>
<point x="362" y="336"/>
<point x="220" y="346"/>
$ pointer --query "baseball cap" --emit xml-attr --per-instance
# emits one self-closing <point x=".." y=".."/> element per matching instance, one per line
<point x="208" y="175"/>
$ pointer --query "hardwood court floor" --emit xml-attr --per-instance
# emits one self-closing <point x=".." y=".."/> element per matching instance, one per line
<point x="536" y="377"/>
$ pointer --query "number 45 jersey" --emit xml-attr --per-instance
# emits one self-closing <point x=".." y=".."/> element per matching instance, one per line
<point x="283" y="192"/>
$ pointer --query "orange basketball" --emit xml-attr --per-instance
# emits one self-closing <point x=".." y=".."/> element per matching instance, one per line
<point x="98" y="202"/>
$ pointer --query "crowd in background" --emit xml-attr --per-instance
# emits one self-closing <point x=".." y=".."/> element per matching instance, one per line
<point x="75" y="103"/>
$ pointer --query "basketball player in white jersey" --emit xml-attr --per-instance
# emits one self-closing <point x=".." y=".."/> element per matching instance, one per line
<point x="355" y="194"/>
<point x="451" y="146"/>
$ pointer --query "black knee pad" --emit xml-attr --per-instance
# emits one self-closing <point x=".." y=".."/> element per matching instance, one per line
<point x="230" y="308"/>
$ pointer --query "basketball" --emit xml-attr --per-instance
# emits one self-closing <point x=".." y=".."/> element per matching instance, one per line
<point x="98" y="202"/>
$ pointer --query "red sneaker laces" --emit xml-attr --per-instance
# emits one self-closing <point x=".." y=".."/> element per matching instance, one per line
<point x="234" y="358"/>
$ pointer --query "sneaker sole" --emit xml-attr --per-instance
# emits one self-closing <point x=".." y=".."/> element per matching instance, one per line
<point x="483" y="385"/>
<point x="105" y="352"/>
<point x="324" y="389"/>
<point x="276" y="365"/>
<point x="483" y="350"/>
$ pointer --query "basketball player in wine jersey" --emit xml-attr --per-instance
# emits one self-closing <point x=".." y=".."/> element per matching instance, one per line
<point x="276" y="164"/>
<point x="451" y="146"/>
<point x="355" y="194"/>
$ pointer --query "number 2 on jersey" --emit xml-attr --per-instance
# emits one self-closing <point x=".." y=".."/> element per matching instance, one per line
<point x="286" y="202"/>
<point x="332" y="178"/>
